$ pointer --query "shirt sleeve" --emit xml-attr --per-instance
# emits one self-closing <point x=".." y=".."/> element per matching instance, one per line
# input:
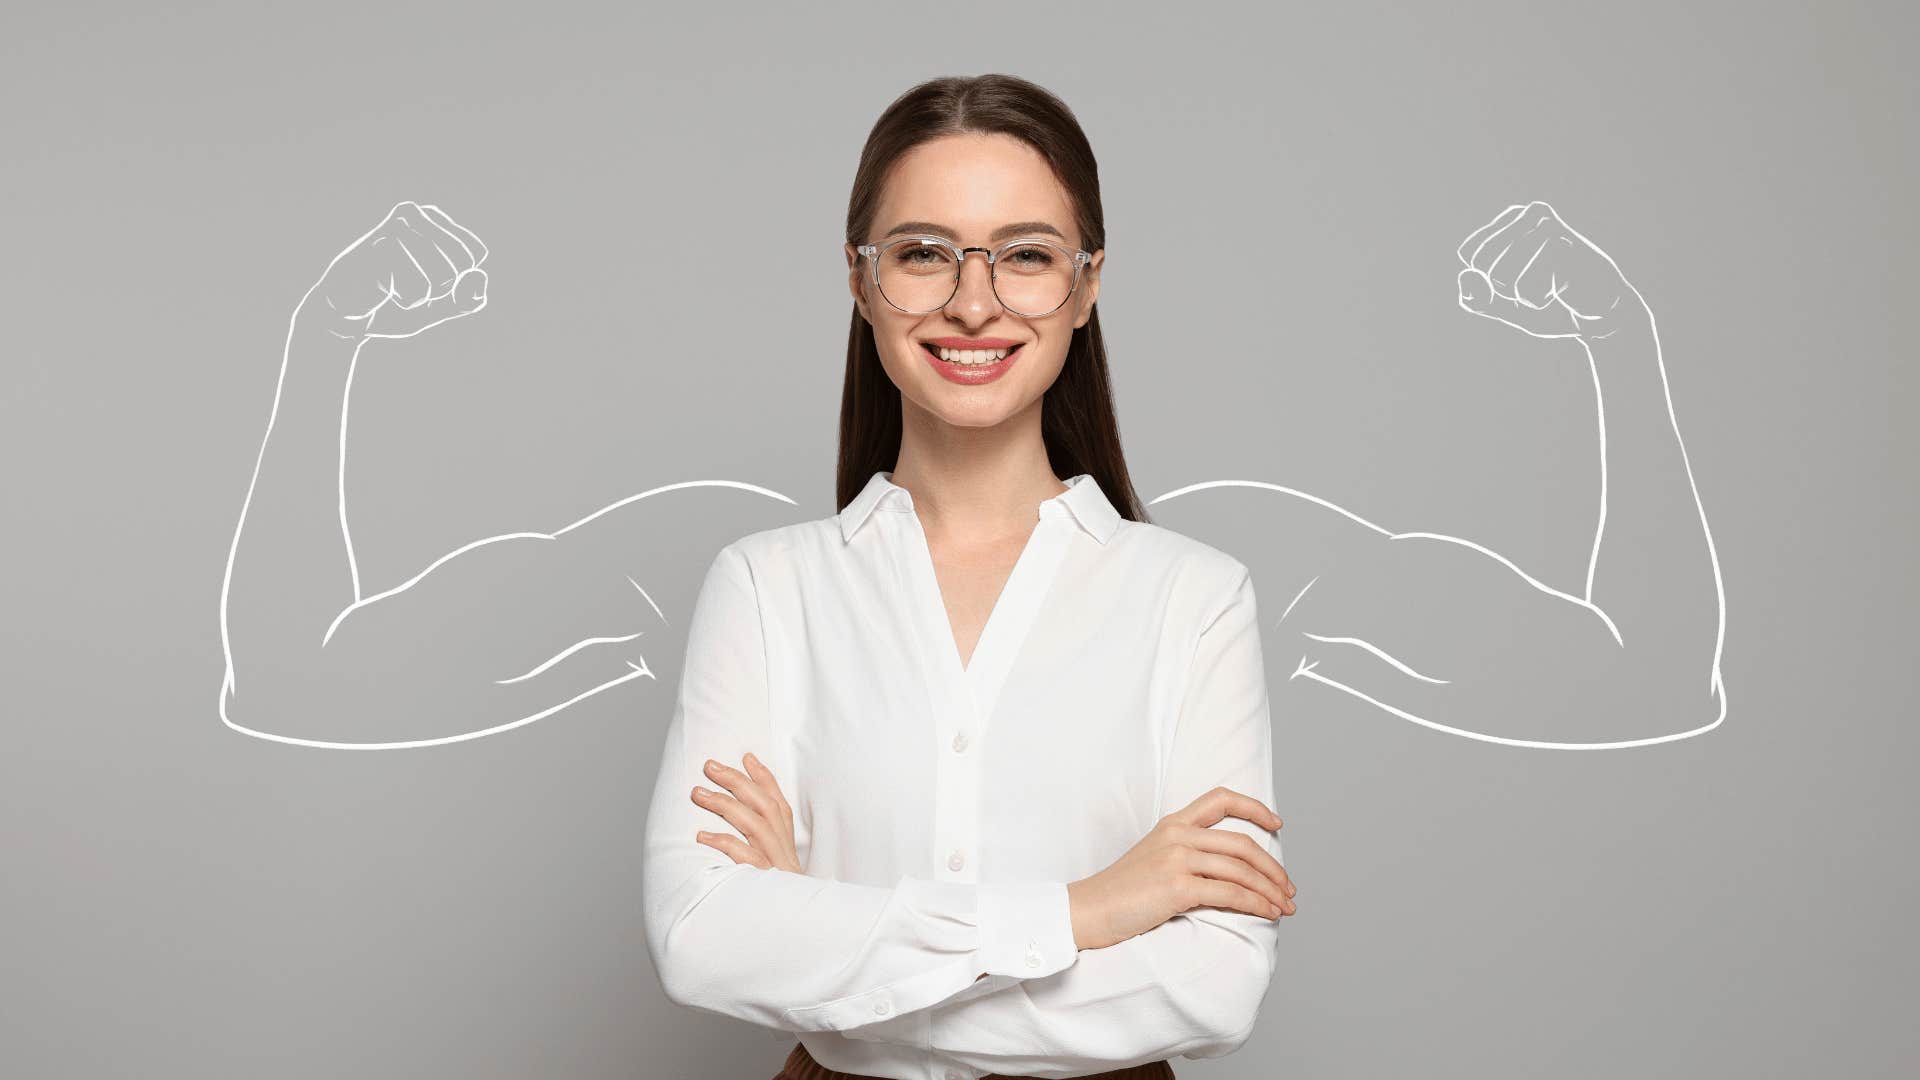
<point x="786" y="950"/>
<point x="1191" y="986"/>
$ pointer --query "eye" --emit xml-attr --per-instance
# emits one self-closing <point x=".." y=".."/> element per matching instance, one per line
<point x="917" y="258"/>
<point x="1032" y="257"/>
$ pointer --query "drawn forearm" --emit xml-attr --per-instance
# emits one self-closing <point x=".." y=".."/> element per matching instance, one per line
<point x="291" y="571"/>
<point x="1651" y="565"/>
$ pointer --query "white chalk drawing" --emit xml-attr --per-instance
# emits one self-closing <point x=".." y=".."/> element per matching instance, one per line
<point x="1451" y="655"/>
<point x="1528" y="269"/>
<point x="417" y="269"/>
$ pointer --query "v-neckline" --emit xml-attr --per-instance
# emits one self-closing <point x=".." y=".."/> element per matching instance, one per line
<point x="976" y="683"/>
<point x="965" y="665"/>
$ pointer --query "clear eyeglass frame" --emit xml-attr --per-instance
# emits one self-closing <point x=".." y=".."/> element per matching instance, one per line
<point x="873" y="252"/>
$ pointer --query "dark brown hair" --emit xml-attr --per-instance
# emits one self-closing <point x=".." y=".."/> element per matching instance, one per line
<point x="1077" y="420"/>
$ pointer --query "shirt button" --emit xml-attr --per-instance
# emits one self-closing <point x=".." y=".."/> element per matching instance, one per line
<point x="956" y="860"/>
<point x="951" y="1075"/>
<point x="960" y="742"/>
<point x="883" y="1006"/>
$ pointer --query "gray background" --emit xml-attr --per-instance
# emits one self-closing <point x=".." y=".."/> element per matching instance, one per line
<point x="179" y="900"/>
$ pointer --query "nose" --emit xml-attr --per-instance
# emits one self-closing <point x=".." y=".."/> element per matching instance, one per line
<point x="974" y="301"/>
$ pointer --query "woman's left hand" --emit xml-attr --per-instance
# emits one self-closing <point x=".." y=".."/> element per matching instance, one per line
<point x="757" y="809"/>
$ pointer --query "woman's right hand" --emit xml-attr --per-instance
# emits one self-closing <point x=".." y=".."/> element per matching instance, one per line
<point x="1180" y="865"/>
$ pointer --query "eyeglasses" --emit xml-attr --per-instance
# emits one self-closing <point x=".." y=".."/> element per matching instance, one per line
<point x="1030" y="277"/>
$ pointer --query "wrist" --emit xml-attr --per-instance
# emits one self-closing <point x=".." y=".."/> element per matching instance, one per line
<point x="1628" y="324"/>
<point x="1080" y="914"/>
<point x="314" y="331"/>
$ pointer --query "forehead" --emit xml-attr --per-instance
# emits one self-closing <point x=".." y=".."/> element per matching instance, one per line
<point x="974" y="183"/>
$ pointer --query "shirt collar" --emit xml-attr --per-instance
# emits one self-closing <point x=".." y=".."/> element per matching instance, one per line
<point x="1083" y="502"/>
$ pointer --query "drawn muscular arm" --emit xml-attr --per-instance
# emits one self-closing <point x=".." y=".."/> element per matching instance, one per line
<point x="496" y="633"/>
<point x="1448" y="632"/>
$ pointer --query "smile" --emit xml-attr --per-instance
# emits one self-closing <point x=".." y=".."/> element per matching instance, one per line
<point x="970" y="367"/>
<point x="968" y="357"/>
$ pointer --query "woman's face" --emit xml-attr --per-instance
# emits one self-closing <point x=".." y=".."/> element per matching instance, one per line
<point x="971" y="186"/>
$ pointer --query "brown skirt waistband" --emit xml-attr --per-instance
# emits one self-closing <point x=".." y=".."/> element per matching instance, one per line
<point x="801" y="1066"/>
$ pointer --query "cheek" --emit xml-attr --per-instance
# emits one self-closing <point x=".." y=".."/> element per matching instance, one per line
<point x="897" y="354"/>
<point x="1044" y="367"/>
<point x="1056" y="339"/>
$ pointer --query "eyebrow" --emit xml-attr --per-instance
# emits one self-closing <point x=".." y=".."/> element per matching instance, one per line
<point x="1018" y="228"/>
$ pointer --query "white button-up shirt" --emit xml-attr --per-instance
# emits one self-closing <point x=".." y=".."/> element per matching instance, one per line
<point x="941" y="810"/>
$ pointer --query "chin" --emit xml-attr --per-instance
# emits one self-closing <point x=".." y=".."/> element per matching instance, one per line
<point x="974" y="420"/>
<point x="969" y="407"/>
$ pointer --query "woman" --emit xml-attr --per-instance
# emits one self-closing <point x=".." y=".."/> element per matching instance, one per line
<point x="974" y="733"/>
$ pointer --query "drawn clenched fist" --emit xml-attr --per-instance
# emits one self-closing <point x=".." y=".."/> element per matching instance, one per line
<point x="1531" y="270"/>
<point x="414" y="270"/>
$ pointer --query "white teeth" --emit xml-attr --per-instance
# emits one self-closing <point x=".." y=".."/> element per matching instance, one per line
<point x="972" y="357"/>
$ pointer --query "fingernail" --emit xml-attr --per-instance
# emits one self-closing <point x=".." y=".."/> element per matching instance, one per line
<point x="1273" y="911"/>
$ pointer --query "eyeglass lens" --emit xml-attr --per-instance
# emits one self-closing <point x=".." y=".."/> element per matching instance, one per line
<point x="1029" y="279"/>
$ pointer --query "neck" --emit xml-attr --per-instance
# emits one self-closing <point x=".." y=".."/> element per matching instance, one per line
<point x="975" y="483"/>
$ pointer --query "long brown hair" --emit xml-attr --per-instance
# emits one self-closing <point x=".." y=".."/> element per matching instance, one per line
<point x="1077" y="420"/>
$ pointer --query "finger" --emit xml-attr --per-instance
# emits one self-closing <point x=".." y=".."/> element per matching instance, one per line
<point x="1538" y="283"/>
<point x="1221" y="802"/>
<point x="764" y="776"/>
<point x="745" y="788"/>
<point x="432" y="262"/>
<point x="1227" y="895"/>
<point x="1501" y="242"/>
<point x="413" y="289"/>
<point x="1517" y="258"/>
<point x="1241" y="846"/>
<point x="402" y="213"/>
<point x="734" y="848"/>
<point x="1227" y="868"/>
<point x="469" y="294"/>
<point x="1507" y="250"/>
<point x="1496" y="246"/>
<point x="1470" y="247"/>
<point x="408" y="222"/>
<point x="1478" y="296"/>
<point x="407" y="285"/>
<point x="460" y="232"/>
<point x="743" y="818"/>
<point x="451" y="247"/>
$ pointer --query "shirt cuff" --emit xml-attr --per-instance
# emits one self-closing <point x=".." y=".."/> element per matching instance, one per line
<point x="1026" y="929"/>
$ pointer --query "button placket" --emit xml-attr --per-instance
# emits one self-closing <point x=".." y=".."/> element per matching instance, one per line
<point x="958" y="800"/>
<point x="962" y="699"/>
<point x="950" y="704"/>
<point x="966" y="696"/>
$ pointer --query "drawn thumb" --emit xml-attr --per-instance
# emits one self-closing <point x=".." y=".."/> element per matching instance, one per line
<point x="470" y="290"/>
<point x="468" y="295"/>
<point x="1477" y="296"/>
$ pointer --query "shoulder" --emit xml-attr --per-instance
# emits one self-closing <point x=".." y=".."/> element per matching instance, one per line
<point x="1200" y="581"/>
<point x="784" y="545"/>
<point x="1192" y="561"/>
